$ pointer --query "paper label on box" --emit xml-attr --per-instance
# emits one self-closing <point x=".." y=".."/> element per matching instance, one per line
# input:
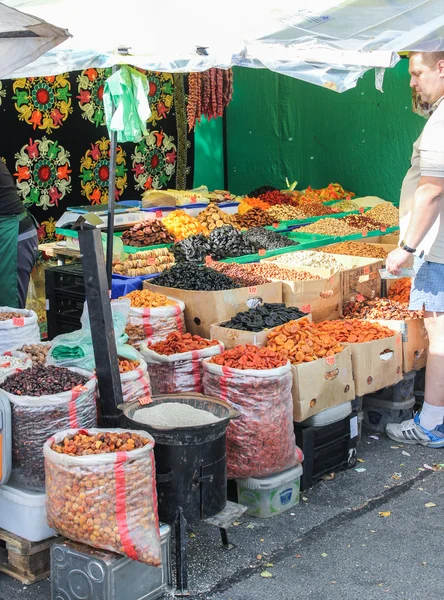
<point x="151" y="260"/>
<point x="47" y="304"/>
<point x="306" y="308"/>
<point x="366" y="270"/>
<point x="158" y="214"/>
<point x="364" y="232"/>
<point x="261" y="252"/>
<point x="353" y="427"/>
<point x="252" y="289"/>
<point x="332" y="279"/>
<point x="18" y="321"/>
<point x="145" y="400"/>
<point x="330" y="360"/>
<point x="360" y="298"/>
<point x="361" y="209"/>
<point x="275" y="225"/>
<point x="383" y="229"/>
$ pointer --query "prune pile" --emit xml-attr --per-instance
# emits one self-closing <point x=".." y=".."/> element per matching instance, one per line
<point x="269" y="240"/>
<point x="264" y="317"/>
<point x="190" y="276"/>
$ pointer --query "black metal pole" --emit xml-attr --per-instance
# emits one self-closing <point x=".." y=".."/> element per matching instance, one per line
<point x="111" y="199"/>
<point x="101" y="323"/>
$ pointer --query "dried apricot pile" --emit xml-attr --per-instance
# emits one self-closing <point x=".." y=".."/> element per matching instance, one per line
<point x="176" y="343"/>
<point x="302" y="341"/>
<point x="355" y="331"/>
<point x="400" y="290"/>
<point x="249" y="357"/>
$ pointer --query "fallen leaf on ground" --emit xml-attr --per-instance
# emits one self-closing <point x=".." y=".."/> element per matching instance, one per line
<point x="266" y="574"/>
<point x="192" y="535"/>
<point x="372" y="530"/>
<point x="405" y="453"/>
<point x="385" y="513"/>
<point x="262" y="540"/>
<point x="394" y="447"/>
<point x="361" y="460"/>
<point x="421" y="489"/>
<point x="428" y="467"/>
<point x="304" y="498"/>
<point x="250" y="526"/>
<point x="429" y="504"/>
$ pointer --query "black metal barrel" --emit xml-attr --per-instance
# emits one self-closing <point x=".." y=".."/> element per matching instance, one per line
<point x="191" y="464"/>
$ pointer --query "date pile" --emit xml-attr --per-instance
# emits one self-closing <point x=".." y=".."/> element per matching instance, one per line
<point x="177" y="343"/>
<point x="249" y="357"/>
<point x="194" y="277"/>
<point x="380" y="308"/>
<point x="147" y="234"/>
<point x="42" y="381"/>
<point x="355" y="331"/>
<point x="303" y="341"/>
<point x="255" y="217"/>
<point x="264" y="317"/>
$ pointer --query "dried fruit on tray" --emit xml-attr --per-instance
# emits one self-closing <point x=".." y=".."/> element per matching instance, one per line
<point x="176" y="343"/>
<point x="384" y="213"/>
<point x="400" y="290"/>
<point x="147" y="262"/>
<point x="147" y="299"/>
<point x="355" y="331"/>
<point x="182" y="225"/>
<point x="302" y="341"/>
<point x="356" y="249"/>
<point x="380" y="308"/>
<point x="147" y="234"/>
<point x="212" y="217"/>
<point x="249" y="357"/>
<point x="255" y="217"/>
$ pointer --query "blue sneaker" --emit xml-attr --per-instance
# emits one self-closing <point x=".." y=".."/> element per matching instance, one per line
<point x="411" y="432"/>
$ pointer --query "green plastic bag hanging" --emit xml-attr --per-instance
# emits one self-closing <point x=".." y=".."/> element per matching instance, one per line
<point x="128" y="90"/>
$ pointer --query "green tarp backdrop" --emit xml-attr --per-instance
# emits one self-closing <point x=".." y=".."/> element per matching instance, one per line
<point x="280" y="127"/>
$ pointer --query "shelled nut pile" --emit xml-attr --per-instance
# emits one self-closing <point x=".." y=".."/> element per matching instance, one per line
<point x="384" y="213"/>
<point x="309" y="259"/>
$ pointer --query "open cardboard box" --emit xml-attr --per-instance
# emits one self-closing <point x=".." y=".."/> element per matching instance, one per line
<point x="235" y="337"/>
<point x="202" y="309"/>
<point x="376" y="364"/>
<point x="321" y="384"/>
<point x="415" y="342"/>
<point x="386" y="247"/>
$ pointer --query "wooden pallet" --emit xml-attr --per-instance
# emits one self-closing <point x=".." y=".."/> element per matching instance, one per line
<point x="23" y="560"/>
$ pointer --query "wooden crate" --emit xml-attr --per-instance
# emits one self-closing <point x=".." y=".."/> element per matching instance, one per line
<point x="23" y="560"/>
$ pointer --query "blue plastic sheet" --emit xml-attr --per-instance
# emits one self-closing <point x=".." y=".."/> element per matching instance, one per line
<point x="122" y="285"/>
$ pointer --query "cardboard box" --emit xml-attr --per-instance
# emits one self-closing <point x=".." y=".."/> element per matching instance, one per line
<point x="202" y="309"/>
<point x="321" y="384"/>
<point x="235" y="337"/>
<point x="415" y="342"/>
<point x="373" y="367"/>
<point x="360" y="278"/>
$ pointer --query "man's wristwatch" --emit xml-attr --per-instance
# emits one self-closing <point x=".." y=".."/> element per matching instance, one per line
<point x="404" y="246"/>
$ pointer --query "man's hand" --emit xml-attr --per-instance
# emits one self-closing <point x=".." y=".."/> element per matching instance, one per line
<point x="396" y="259"/>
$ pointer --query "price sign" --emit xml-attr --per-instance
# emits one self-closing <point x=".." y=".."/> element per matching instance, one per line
<point x="383" y="229"/>
<point x="261" y="252"/>
<point x="366" y="270"/>
<point x="361" y="210"/>
<point x="80" y="388"/>
<point x="332" y="279"/>
<point x="158" y="214"/>
<point x="275" y="225"/>
<point x="18" y="321"/>
<point x="145" y="400"/>
<point x="252" y="289"/>
<point x="330" y="360"/>
<point x="364" y="232"/>
<point x="151" y="260"/>
<point x="360" y="298"/>
<point x="306" y="308"/>
<point x="193" y="199"/>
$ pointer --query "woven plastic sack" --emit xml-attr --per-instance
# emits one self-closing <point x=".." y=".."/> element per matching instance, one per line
<point x="36" y="418"/>
<point x="108" y="501"/>
<point x="136" y="384"/>
<point x="178" y="372"/>
<point x="261" y="441"/>
<point x="13" y="362"/>
<point x="150" y="325"/>
<point x="20" y="330"/>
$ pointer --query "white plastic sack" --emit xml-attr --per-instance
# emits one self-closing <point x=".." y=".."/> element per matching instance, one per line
<point x="177" y="372"/>
<point x="136" y="383"/>
<point x="151" y="325"/>
<point x="261" y="441"/>
<point x="20" y="330"/>
<point x="36" y="418"/>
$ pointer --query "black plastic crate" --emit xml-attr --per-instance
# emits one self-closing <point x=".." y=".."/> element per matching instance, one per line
<point x="58" y="325"/>
<point x="65" y="305"/>
<point x="327" y="449"/>
<point x="398" y="392"/>
<point x="67" y="278"/>
<point x="420" y="381"/>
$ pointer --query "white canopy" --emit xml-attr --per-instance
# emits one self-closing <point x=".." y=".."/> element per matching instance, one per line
<point x="327" y="42"/>
<point x="23" y="38"/>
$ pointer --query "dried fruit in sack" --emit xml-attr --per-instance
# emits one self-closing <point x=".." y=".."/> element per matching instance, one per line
<point x="6" y="316"/>
<point x="36" y="352"/>
<point x="147" y="299"/>
<point x="42" y="381"/>
<point x="249" y="357"/>
<point x="126" y="365"/>
<point x="93" y="484"/>
<point x="302" y="341"/>
<point x="355" y="331"/>
<point x="264" y="317"/>
<point x="176" y="343"/>
<point x="400" y="290"/>
<point x="261" y="441"/>
<point x="380" y="308"/>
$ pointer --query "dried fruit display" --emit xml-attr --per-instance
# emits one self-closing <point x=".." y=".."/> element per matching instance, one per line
<point x="238" y="273"/>
<point x="355" y="331"/>
<point x="209" y="94"/>
<point x="363" y="222"/>
<point x="273" y="271"/>
<point x="147" y="299"/>
<point x="101" y="491"/>
<point x="380" y="308"/>
<point x="195" y="277"/>
<point x="256" y="217"/>
<point x="176" y="343"/>
<point x="126" y="365"/>
<point x="147" y="234"/>
<point x="384" y="213"/>
<point x="249" y="357"/>
<point x="181" y="225"/>
<point x="212" y="217"/>
<point x="400" y="290"/>
<point x="249" y="203"/>
<point x="302" y="341"/>
<point x="276" y="197"/>
<point x="147" y="262"/>
<point x="263" y="317"/>
<point x="356" y="249"/>
<point x="261" y="441"/>
<point x="345" y="206"/>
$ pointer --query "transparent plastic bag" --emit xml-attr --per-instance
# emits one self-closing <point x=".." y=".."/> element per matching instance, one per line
<point x="136" y="384"/>
<point x="261" y="441"/>
<point x="107" y="501"/>
<point x="177" y="373"/>
<point x="20" y="330"/>
<point x="36" y="418"/>
<point x="151" y="325"/>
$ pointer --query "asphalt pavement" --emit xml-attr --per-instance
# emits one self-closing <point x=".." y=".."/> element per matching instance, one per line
<point x="372" y="532"/>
